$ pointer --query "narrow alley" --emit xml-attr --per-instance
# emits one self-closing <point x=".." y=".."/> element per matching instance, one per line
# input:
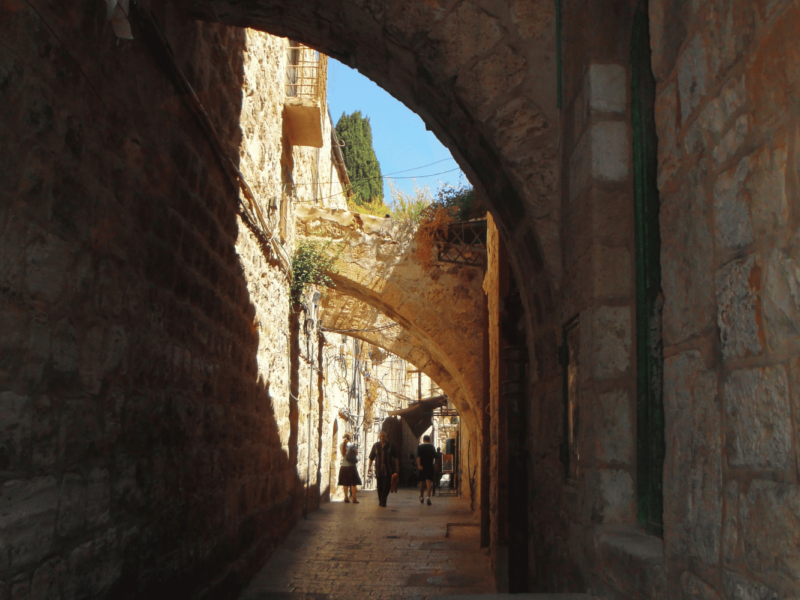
<point x="211" y="316"/>
<point x="406" y="550"/>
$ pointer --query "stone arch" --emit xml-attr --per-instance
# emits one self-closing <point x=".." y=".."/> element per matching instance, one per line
<point x="439" y="312"/>
<point x="481" y="75"/>
<point x="358" y="319"/>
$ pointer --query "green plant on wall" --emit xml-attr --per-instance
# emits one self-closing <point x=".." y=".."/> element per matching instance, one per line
<point x="311" y="264"/>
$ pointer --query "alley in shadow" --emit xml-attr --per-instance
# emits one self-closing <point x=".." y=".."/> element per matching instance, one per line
<point x="407" y="550"/>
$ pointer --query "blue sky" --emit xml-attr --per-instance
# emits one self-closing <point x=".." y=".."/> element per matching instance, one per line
<point x="400" y="139"/>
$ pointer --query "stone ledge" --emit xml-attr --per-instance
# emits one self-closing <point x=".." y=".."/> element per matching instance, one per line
<point x="630" y="561"/>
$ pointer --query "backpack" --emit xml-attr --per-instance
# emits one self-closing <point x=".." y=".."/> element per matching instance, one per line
<point x="351" y="456"/>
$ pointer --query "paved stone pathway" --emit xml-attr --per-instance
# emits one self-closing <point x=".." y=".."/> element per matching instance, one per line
<point x="406" y="551"/>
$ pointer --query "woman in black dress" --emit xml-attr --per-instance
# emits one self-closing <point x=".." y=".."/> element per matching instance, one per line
<point x="348" y="474"/>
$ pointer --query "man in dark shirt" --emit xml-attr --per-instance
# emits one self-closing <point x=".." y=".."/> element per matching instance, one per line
<point x="386" y="464"/>
<point x="426" y="456"/>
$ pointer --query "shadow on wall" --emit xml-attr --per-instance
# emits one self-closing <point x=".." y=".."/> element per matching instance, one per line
<point x="140" y="450"/>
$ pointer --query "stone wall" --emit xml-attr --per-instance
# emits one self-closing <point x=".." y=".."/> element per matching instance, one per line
<point x="596" y="302"/>
<point x="728" y="176"/>
<point x="149" y="439"/>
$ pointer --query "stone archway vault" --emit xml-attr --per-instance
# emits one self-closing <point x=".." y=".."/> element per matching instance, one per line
<point x="356" y="318"/>
<point x="481" y="75"/>
<point x="439" y="312"/>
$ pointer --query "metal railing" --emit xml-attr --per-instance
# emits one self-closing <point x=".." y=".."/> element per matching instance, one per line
<point x="306" y="72"/>
<point x="464" y="243"/>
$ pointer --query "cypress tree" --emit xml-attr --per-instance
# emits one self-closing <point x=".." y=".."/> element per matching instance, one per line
<point x="359" y="158"/>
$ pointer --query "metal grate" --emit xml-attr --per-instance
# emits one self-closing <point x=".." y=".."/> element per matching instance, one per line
<point x="305" y="72"/>
<point x="464" y="243"/>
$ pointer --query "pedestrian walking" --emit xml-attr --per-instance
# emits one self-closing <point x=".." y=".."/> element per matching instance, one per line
<point x="426" y="456"/>
<point x="387" y="463"/>
<point x="437" y="471"/>
<point x="348" y="474"/>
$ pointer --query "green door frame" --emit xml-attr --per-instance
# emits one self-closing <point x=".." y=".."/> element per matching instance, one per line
<point x="649" y="345"/>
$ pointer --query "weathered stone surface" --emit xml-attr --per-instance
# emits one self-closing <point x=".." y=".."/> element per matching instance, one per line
<point x="606" y="496"/>
<point x="533" y="17"/>
<point x="718" y="118"/>
<point x="695" y="588"/>
<point x="687" y="280"/>
<point x="734" y="228"/>
<point x="65" y="347"/>
<point x="15" y="430"/>
<point x="750" y="199"/>
<point x="580" y="167"/>
<point x="738" y="588"/>
<point x="667" y="128"/>
<point x="466" y="33"/>
<point x="492" y="77"/>
<point x="28" y="518"/>
<point x="758" y="423"/>
<point x="607" y="85"/>
<point x="517" y="125"/>
<point x="411" y="17"/>
<point x="737" y="312"/>
<point x="693" y="75"/>
<point x="611" y="341"/>
<point x="693" y="464"/>
<point x="731" y="525"/>
<point x="46" y="582"/>
<point x="732" y="141"/>
<point x="668" y="21"/>
<point x="98" y="494"/>
<point x="93" y="567"/>
<point x="781" y="301"/>
<point x="631" y="561"/>
<point x="610" y="426"/>
<point x="617" y="496"/>
<point x="612" y="272"/>
<point x="71" y="505"/>
<point x="610" y="151"/>
<point x="47" y="260"/>
<point x="770" y="521"/>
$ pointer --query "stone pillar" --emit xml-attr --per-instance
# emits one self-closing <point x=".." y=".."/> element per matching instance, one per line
<point x="485" y="418"/>
<point x="515" y="400"/>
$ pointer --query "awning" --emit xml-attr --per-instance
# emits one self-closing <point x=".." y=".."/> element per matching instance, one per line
<point x="418" y="416"/>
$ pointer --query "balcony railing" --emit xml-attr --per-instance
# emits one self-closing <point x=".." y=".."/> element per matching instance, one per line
<point x="306" y="73"/>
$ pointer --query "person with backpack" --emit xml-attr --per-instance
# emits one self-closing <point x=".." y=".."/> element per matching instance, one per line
<point x="387" y="463"/>
<point x="348" y="474"/>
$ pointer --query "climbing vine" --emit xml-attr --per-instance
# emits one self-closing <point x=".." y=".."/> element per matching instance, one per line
<point x="311" y="264"/>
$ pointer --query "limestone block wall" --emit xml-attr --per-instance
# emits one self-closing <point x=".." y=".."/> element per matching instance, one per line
<point x="728" y="177"/>
<point x="148" y="440"/>
<point x="594" y="320"/>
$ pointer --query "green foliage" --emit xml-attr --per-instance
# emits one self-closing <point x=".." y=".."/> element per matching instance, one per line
<point x="311" y="264"/>
<point x="376" y="209"/>
<point x="409" y="207"/>
<point x="461" y="199"/>
<point x="359" y="158"/>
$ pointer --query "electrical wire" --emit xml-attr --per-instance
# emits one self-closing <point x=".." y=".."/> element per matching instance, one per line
<point x="386" y="177"/>
<point x="389" y="175"/>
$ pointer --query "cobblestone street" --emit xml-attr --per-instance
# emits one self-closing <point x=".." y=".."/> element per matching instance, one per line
<point x="407" y="550"/>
